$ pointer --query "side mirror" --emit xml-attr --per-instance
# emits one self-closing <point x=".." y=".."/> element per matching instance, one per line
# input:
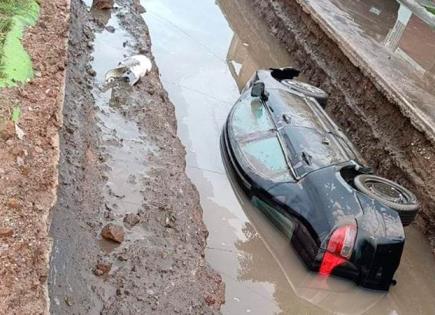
<point x="258" y="90"/>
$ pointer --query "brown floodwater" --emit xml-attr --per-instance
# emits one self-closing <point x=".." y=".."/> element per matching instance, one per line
<point x="206" y="51"/>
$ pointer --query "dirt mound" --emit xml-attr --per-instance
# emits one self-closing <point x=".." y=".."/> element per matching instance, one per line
<point x="28" y="168"/>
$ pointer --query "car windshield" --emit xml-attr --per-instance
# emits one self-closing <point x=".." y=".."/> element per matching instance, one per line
<point x="257" y="141"/>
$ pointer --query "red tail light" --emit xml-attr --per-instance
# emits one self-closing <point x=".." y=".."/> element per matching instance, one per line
<point x="339" y="250"/>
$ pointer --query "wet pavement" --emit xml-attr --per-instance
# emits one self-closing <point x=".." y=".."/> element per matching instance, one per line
<point x="392" y="42"/>
<point x="206" y="51"/>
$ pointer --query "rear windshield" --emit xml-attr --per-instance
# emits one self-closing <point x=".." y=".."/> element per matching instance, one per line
<point x="311" y="149"/>
<point x="297" y="110"/>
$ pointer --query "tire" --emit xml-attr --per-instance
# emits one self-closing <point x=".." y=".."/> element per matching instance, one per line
<point x="309" y="90"/>
<point x="404" y="201"/>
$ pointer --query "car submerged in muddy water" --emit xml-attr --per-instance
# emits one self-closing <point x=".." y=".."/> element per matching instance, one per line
<point x="304" y="174"/>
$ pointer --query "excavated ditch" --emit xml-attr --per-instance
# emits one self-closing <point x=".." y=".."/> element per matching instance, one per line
<point x="387" y="139"/>
<point x="122" y="163"/>
<point x="206" y="51"/>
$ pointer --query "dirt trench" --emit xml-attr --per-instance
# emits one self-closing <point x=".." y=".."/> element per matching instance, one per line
<point x="387" y="138"/>
<point x="121" y="162"/>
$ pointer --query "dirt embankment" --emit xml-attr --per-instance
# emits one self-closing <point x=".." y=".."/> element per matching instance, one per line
<point x="122" y="163"/>
<point x="28" y="167"/>
<point x="385" y="137"/>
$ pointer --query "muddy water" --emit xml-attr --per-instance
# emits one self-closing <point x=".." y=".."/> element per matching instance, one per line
<point x="206" y="51"/>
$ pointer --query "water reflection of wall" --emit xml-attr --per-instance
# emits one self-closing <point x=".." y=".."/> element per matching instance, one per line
<point x="252" y="46"/>
<point x="398" y="28"/>
<point x="376" y="17"/>
<point x="413" y="40"/>
<point x="240" y="62"/>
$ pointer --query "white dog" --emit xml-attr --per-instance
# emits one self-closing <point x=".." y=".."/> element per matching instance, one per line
<point x="131" y="69"/>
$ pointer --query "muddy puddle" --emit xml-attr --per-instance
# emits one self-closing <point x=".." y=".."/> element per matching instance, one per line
<point x="206" y="51"/>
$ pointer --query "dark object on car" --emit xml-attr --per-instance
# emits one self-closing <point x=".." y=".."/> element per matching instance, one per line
<point x="302" y="171"/>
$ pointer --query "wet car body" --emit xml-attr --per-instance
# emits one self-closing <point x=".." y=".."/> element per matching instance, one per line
<point x="297" y="167"/>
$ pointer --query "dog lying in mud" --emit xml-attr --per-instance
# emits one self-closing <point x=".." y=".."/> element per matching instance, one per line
<point x="131" y="70"/>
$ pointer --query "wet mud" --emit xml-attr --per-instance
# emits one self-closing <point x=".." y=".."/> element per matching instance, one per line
<point x="28" y="164"/>
<point x="122" y="163"/>
<point x="387" y="139"/>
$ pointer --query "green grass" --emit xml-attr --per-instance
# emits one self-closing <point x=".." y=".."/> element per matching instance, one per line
<point x="431" y="10"/>
<point x="15" y="64"/>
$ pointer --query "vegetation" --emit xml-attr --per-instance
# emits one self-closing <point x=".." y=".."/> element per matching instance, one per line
<point x="431" y="9"/>
<point x="15" y="15"/>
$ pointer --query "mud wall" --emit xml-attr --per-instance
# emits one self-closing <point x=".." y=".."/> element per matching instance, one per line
<point x="386" y="138"/>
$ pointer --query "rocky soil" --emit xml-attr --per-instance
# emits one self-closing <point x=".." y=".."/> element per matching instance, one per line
<point x="385" y="137"/>
<point x="128" y="235"/>
<point x="28" y="166"/>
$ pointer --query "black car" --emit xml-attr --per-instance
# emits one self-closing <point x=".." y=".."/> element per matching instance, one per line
<point x="302" y="172"/>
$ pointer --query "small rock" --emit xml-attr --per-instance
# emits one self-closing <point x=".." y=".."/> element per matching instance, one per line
<point x="67" y="301"/>
<point x="113" y="232"/>
<point x="13" y="203"/>
<point x="110" y="29"/>
<point x="6" y="232"/>
<point x="20" y="161"/>
<point x="102" y="268"/>
<point x="7" y="131"/>
<point x="131" y="219"/>
<point x="109" y="215"/>
<point x="210" y="300"/>
<point x="170" y="221"/>
<point x="102" y="4"/>
<point x="122" y="257"/>
<point x="92" y="72"/>
<point x="150" y="292"/>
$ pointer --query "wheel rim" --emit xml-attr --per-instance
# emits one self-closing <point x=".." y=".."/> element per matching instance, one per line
<point x="387" y="192"/>
<point x="302" y="85"/>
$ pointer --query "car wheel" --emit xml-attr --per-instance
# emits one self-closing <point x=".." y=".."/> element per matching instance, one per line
<point x="391" y="194"/>
<point x="309" y="90"/>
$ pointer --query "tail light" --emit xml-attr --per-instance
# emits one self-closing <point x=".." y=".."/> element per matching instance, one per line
<point x="339" y="250"/>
